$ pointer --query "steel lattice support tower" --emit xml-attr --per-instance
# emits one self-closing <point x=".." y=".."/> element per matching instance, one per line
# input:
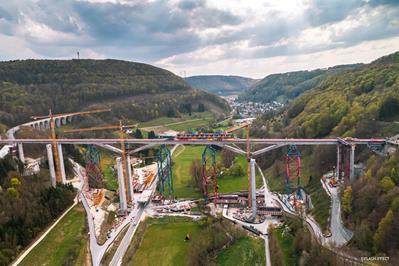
<point x="293" y="162"/>
<point x="93" y="170"/>
<point x="164" y="170"/>
<point x="209" y="151"/>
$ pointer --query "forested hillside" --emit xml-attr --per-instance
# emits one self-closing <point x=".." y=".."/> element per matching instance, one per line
<point x="27" y="206"/>
<point x="287" y="86"/>
<point x="357" y="103"/>
<point x="133" y="90"/>
<point x="221" y="85"/>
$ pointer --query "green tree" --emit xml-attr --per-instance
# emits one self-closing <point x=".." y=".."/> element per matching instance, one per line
<point x="347" y="200"/>
<point x="386" y="184"/>
<point x="152" y="135"/>
<point x="195" y="171"/>
<point x="227" y="158"/>
<point x="13" y="192"/>
<point x="381" y="236"/>
<point x="201" y="108"/>
<point x="138" y="134"/>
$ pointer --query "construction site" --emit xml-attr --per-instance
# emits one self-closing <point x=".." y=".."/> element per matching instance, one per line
<point x="150" y="187"/>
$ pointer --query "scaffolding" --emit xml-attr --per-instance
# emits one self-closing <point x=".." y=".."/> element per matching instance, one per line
<point x="207" y="174"/>
<point x="164" y="170"/>
<point x="293" y="169"/>
<point x="93" y="169"/>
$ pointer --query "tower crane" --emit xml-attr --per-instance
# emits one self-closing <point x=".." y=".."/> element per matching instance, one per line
<point x="54" y="133"/>
<point x="120" y="127"/>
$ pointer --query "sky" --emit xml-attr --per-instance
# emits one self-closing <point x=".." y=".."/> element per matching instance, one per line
<point x="203" y="37"/>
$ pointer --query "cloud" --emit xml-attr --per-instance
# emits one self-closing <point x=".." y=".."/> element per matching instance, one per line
<point x="186" y="33"/>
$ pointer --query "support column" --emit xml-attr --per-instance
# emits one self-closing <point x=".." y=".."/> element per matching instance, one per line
<point x="21" y="152"/>
<point x="253" y="188"/>
<point x="338" y="168"/>
<point x="62" y="167"/>
<point x="121" y="183"/>
<point x="51" y="164"/>
<point x="130" y="179"/>
<point x="352" y="164"/>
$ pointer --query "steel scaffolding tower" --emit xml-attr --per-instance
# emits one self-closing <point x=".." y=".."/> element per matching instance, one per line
<point x="93" y="170"/>
<point x="164" y="170"/>
<point x="207" y="175"/>
<point x="293" y="166"/>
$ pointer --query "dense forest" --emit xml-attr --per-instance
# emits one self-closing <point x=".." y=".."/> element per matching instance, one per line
<point x="357" y="103"/>
<point x="32" y="87"/>
<point x="19" y="225"/>
<point x="221" y="85"/>
<point x="287" y="86"/>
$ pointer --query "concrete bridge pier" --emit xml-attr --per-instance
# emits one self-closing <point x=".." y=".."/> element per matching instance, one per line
<point x="338" y="168"/>
<point x="253" y="187"/>
<point x="121" y="183"/>
<point x="130" y="179"/>
<point x="62" y="167"/>
<point x="57" y="122"/>
<point x="352" y="164"/>
<point x="51" y="164"/>
<point x="21" y="152"/>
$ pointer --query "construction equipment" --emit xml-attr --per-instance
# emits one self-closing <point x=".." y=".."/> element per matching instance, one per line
<point x="99" y="128"/>
<point x="54" y="134"/>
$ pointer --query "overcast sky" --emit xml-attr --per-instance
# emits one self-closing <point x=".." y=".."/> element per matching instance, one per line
<point x="249" y="38"/>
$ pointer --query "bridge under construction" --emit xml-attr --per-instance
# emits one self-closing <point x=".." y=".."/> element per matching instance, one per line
<point x="344" y="163"/>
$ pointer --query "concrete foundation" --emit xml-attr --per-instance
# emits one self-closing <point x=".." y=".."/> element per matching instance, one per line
<point x="62" y="166"/>
<point x="121" y="183"/>
<point x="253" y="187"/>
<point x="51" y="164"/>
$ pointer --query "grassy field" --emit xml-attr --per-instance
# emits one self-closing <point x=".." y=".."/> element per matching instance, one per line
<point x="181" y="171"/>
<point x="163" y="242"/>
<point x="244" y="251"/>
<point x="183" y="188"/>
<point x="184" y="123"/>
<point x="285" y="244"/>
<point x="65" y="244"/>
<point x="109" y="176"/>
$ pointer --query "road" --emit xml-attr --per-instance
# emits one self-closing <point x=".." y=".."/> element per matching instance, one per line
<point x="339" y="234"/>
<point x="124" y="245"/>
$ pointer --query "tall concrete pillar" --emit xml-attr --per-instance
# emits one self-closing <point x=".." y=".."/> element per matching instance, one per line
<point x="130" y="179"/>
<point x="51" y="164"/>
<point x="121" y="183"/>
<point x="57" y="122"/>
<point x="352" y="164"/>
<point x="253" y="188"/>
<point x="338" y="169"/>
<point x="62" y="167"/>
<point x="21" y="152"/>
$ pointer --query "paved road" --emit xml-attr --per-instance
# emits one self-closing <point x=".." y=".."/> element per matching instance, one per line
<point x="124" y="245"/>
<point x="339" y="234"/>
